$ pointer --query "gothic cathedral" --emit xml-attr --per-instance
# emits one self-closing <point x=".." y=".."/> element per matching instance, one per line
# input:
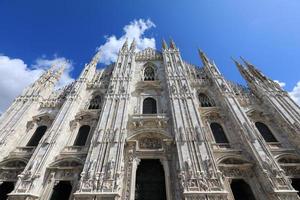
<point x="151" y="127"/>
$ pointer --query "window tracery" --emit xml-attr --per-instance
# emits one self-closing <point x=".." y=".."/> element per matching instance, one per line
<point x="149" y="73"/>
<point x="205" y="101"/>
<point x="95" y="103"/>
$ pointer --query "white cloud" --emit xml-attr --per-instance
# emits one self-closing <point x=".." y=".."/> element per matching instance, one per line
<point x="134" y="30"/>
<point x="281" y="84"/>
<point x="295" y="93"/>
<point x="15" y="75"/>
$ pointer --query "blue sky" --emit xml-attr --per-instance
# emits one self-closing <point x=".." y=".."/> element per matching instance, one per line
<point x="33" y="33"/>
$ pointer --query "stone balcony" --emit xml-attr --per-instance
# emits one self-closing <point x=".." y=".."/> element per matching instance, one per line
<point x="274" y="145"/>
<point x="75" y="150"/>
<point x="148" y="121"/>
<point x="221" y="146"/>
<point x="22" y="152"/>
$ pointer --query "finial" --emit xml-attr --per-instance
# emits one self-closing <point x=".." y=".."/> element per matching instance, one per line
<point x="164" y="44"/>
<point x="133" y="44"/>
<point x="240" y="67"/>
<point x="60" y="71"/>
<point x="172" y="44"/>
<point x="96" y="58"/>
<point x="125" y="45"/>
<point x="246" y="62"/>
<point x="203" y="57"/>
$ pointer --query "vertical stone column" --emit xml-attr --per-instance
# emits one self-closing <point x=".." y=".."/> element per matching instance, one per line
<point x="13" y="121"/>
<point x="32" y="179"/>
<point x="104" y="166"/>
<point x="199" y="176"/>
<point x="269" y="172"/>
<point x="278" y="102"/>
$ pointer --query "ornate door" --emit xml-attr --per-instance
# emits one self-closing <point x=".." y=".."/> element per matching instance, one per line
<point x="150" y="180"/>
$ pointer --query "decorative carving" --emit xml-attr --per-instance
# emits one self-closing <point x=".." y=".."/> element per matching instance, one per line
<point x="150" y="143"/>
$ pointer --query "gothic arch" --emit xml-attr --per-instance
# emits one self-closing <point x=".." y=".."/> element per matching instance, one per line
<point x="67" y="162"/>
<point x="157" y="133"/>
<point x="11" y="168"/>
<point x="288" y="159"/>
<point x="232" y="160"/>
<point x="14" y="162"/>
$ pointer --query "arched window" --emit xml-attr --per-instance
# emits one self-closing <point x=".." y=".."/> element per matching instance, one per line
<point x="265" y="132"/>
<point x="149" y="106"/>
<point x="149" y="74"/>
<point x="82" y="135"/>
<point x="37" y="136"/>
<point x="95" y="102"/>
<point x="218" y="133"/>
<point x="205" y="101"/>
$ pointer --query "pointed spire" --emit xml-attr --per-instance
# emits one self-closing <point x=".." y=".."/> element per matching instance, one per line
<point x="164" y="44"/>
<point x="125" y="45"/>
<point x="203" y="57"/>
<point x="244" y="72"/>
<point x="95" y="59"/>
<point x="172" y="44"/>
<point x="239" y="66"/>
<point x="255" y="72"/>
<point x="133" y="45"/>
<point x="60" y="71"/>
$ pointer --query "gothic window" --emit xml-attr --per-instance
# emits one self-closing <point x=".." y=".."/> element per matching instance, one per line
<point x="265" y="132"/>
<point x="149" y="106"/>
<point x="205" y="101"/>
<point x="6" y="188"/>
<point x="62" y="190"/>
<point x="218" y="133"/>
<point x="82" y="135"/>
<point x="95" y="103"/>
<point x="241" y="190"/>
<point x="37" y="136"/>
<point x="149" y="74"/>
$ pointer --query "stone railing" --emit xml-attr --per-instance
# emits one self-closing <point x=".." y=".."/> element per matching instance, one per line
<point x="75" y="150"/>
<point x="148" y="121"/>
<point x="274" y="145"/>
<point x="200" y="82"/>
<point x="23" y="151"/>
<point x="221" y="146"/>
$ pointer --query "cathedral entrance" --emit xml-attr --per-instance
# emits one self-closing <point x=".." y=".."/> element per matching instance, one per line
<point x="296" y="184"/>
<point x="150" y="180"/>
<point x="241" y="190"/>
<point x="61" y="191"/>
<point x="6" y="188"/>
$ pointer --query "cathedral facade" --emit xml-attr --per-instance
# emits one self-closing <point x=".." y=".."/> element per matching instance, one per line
<point x="151" y="127"/>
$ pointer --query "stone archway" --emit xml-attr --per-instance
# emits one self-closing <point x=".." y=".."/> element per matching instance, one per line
<point x="150" y="180"/>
